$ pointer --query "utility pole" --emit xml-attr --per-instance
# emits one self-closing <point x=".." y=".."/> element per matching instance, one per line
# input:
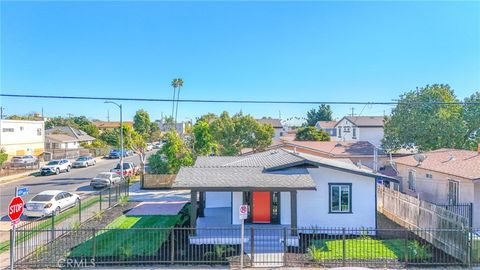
<point x="353" y="109"/>
<point x="108" y="115"/>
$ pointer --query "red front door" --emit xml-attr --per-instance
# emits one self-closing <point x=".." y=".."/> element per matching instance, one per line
<point x="261" y="207"/>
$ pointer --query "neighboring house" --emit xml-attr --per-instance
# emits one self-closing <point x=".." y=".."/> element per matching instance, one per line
<point x="164" y="127"/>
<point x="276" y="124"/>
<point x="22" y="137"/>
<point x="65" y="137"/>
<point x="328" y="126"/>
<point x="104" y="125"/>
<point x="443" y="176"/>
<point x="281" y="187"/>
<point x="360" y="128"/>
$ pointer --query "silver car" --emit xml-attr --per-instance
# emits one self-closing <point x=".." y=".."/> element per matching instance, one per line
<point x="84" y="161"/>
<point x="105" y="179"/>
<point x="22" y="161"/>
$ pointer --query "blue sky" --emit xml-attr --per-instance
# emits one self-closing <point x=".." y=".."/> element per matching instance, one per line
<point x="319" y="51"/>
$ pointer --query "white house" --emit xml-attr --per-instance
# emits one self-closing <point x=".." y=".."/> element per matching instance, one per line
<point x="65" y="137"/>
<point x="276" y="124"/>
<point x="22" y="137"/>
<point x="281" y="187"/>
<point x="360" y="128"/>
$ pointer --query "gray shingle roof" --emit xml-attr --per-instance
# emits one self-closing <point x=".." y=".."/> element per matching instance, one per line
<point x="274" y="122"/>
<point x="366" y="121"/>
<point x="220" y="178"/>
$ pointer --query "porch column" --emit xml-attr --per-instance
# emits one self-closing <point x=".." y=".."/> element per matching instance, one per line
<point x="201" y="204"/>
<point x="293" y="211"/>
<point x="193" y="208"/>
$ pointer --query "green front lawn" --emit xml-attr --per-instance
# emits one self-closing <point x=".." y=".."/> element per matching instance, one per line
<point x="368" y="248"/>
<point x="120" y="238"/>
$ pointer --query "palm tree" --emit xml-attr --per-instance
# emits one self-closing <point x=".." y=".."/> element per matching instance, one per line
<point x="179" y="85"/>
<point x="174" y="85"/>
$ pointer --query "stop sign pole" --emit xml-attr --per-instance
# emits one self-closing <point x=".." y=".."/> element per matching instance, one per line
<point x="15" y="209"/>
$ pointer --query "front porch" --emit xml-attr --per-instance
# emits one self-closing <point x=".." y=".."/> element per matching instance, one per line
<point x="215" y="227"/>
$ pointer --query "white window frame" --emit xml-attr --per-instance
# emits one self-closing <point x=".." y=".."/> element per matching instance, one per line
<point x="342" y="188"/>
<point x="453" y="198"/>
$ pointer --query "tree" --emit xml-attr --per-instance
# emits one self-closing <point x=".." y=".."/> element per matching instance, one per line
<point x="419" y="121"/>
<point x="142" y="123"/>
<point x="3" y="157"/>
<point x="179" y="85"/>
<point x="203" y="142"/>
<point x="111" y="137"/>
<point x="225" y="134"/>
<point x="78" y="122"/>
<point x="471" y="117"/>
<point x="172" y="156"/>
<point x="311" y="134"/>
<point x="324" y="113"/>
<point x="253" y="134"/>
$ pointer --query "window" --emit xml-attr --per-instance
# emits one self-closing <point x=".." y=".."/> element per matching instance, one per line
<point x="452" y="192"/>
<point x="340" y="198"/>
<point x="21" y="128"/>
<point x="7" y="129"/>
<point x="339" y="132"/>
<point x="354" y="132"/>
<point x="411" y="180"/>
<point x="346" y="129"/>
<point x="429" y="175"/>
<point x="39" y="132"/>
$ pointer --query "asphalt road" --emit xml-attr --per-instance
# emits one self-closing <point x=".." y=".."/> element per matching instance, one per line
<point x="76" y="181"/>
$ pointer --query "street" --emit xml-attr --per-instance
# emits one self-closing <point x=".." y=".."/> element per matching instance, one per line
<point x="76" y="181"/>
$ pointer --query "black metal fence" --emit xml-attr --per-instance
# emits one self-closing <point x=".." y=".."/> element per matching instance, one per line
<point x="264" y="246"/>
<point x="32" y="235"/>
<point x="461" y="209"/>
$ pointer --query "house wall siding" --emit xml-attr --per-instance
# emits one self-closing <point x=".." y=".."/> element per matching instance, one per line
<point x="25" y="139"/>
<point x="374" y="135"/>
<point x="313" y="206"/>
<point x="285" y="210"/>
<point x="237" y="200"/>
<point x="218" y="199"/>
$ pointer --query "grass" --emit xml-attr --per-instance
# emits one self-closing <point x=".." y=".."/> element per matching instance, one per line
<point x="47" y="223"/>
<point x="368" y="248"/>
<point x="122" y="240"/>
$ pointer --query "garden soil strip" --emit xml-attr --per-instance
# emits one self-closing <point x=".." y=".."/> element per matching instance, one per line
<point x="166" y="208"/>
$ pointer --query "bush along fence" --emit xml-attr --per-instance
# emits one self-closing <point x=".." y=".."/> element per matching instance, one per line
<point x="31" y="236"/>
<point x="264" y="247"/>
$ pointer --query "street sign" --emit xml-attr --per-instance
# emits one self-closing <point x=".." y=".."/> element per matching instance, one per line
<point x="243" y="212"/>
<point x="15" y="208"/>
<point x="22" y="191"/>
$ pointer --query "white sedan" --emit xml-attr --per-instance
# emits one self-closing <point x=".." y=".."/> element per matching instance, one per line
<point x="84" y="161"/>
<point x="50" y="202"/>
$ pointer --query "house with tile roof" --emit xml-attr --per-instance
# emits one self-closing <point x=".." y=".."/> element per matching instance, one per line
<point x="327" y="126"/>
<point x="281" y="187"/>
<point x="443" y="176"/>
<point x="360" y="128"/>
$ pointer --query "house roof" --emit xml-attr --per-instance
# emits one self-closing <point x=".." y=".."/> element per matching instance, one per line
<point x="75" y="133"/>
<point x="111" y="124"/>
<point x="275" y="123"/>
<point x="337" y="149"/>
<point x="273" y="169"/>
<point x="365" y="121"/>
<point x="61" y="138"/>
<point x="462" y="163"/>
<point x="326" y="124"/>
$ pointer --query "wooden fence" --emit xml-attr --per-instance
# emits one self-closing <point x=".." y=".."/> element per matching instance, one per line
<point x="451" y="234"/>
<point x="154" y="181"/>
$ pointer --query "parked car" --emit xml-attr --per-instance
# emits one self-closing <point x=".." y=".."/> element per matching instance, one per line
<point x="115" y="153"/>
<point x="56" y="167"/>
<point x="84" y="161"/>
<point x="105" y="179"/>
<point x="50" y="202"/>
<point x="129" y="169"/>
<point x="23" y="161"/>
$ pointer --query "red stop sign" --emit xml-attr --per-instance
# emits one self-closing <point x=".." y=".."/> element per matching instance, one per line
<point x="15" y="208"/>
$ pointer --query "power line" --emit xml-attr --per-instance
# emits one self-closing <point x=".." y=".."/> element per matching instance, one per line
<point x="238" y="101"/>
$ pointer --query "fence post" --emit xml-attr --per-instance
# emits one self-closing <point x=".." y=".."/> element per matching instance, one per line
<point x="470" y="215"/>
<point x="469" y="247"/>
<point x="109" y="197"/>
<point x="12" y="246"/>
<point x="252" y="252"/>
<point x="405" y="248"/>
<point x="172" y="246"/>
<point x="94" y="243"/>
<point x="53" y="226"/>
<point x="284" y="246"/>
<point x="343" y="247"/>
<point x="80" y="211"/>
<point x="100" y="201"/>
